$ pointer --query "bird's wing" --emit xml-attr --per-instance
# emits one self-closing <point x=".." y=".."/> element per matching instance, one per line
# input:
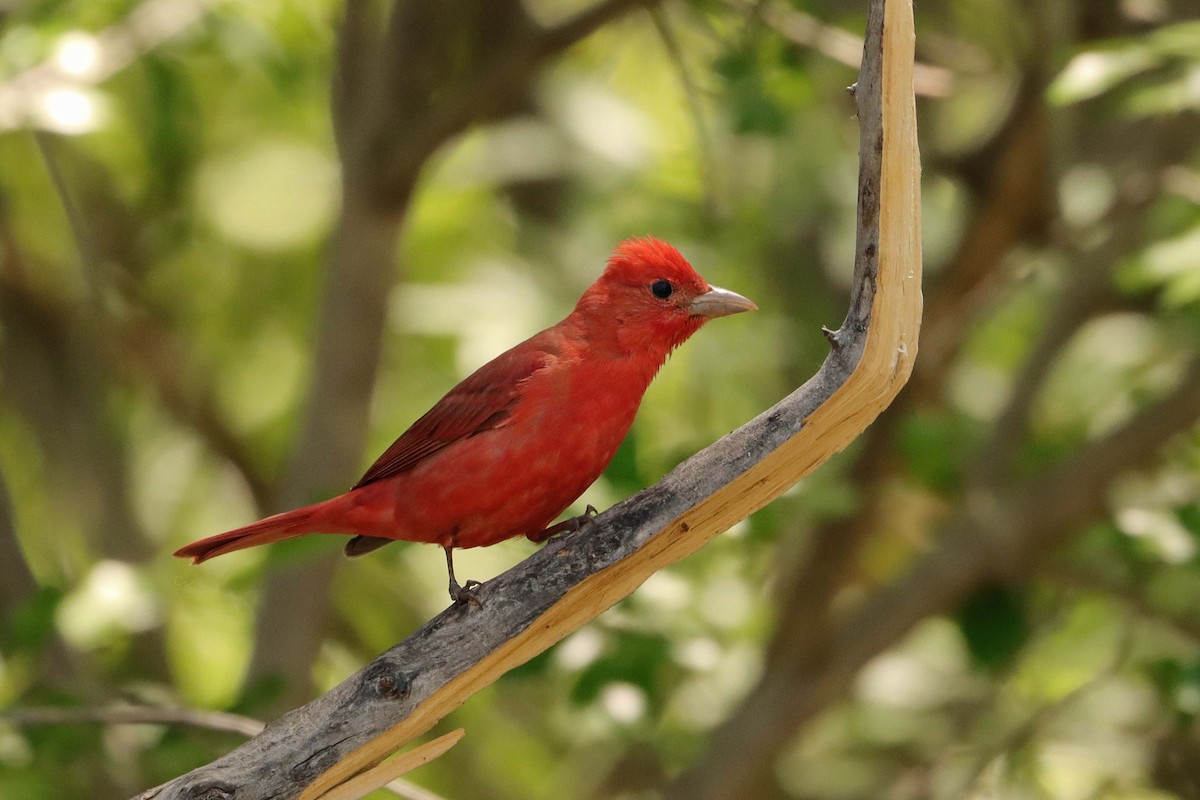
<point x="484" y="401"/>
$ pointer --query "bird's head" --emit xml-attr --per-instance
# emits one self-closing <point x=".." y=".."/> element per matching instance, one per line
<point x="651" y="299"/>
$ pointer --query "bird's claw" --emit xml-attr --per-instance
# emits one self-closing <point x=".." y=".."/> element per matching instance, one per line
<point x="465" y="594"/>
<point x="587" y="519"/>
<point x="572" y="525"/>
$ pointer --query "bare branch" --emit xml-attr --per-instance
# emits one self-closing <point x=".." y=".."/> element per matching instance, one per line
<point x="221" y="721"/>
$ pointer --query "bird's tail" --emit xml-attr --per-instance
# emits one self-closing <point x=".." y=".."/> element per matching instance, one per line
<point x="287" y="525"/>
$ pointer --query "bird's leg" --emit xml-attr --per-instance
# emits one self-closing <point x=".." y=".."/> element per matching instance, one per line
<point x="566" y="526"/>
<point x="461" y="595"/>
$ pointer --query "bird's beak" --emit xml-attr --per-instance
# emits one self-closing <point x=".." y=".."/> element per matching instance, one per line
<point x="718" y="302"/>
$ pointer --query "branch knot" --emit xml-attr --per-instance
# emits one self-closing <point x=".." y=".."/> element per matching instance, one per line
<point x="387" y="680"/>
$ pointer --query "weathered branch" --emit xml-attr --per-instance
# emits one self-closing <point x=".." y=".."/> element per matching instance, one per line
<point x="404" y="692"/>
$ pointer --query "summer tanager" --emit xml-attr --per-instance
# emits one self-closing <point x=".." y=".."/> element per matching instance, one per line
<point x="513" y="445"/>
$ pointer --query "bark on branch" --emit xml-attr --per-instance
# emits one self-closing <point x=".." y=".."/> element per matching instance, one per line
<point x="404" y="692"/>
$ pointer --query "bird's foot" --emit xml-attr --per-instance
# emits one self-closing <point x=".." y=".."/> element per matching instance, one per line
<point x="571" y="525"/>
<point x="465" y="594"/>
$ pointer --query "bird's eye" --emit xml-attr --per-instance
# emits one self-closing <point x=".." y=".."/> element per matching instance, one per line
<point x="661" y="289"/>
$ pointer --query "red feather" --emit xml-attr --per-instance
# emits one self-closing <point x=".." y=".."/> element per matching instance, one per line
<point x="482" y="402"/>
<point x="513" y="445"/>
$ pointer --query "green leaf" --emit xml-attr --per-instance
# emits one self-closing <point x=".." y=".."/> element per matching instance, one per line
<point x="1095" y="72"/>
<point x="995" y="626"/>
<point x="936" y="446"/>
<point x="31" y="624"/>
<point x="635" y="658"/>
<point x="622" y="471"/>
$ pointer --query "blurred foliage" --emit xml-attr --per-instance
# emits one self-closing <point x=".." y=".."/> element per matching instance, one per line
<point x="154" y="367"/>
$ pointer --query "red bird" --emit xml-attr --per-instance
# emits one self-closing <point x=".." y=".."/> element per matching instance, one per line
<point x="513" y="445"/>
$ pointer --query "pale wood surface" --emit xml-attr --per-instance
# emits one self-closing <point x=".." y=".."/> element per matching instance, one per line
<point x="381" y="775"/>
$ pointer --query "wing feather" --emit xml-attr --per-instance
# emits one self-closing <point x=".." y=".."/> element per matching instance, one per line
<point x="483" y="401"/>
